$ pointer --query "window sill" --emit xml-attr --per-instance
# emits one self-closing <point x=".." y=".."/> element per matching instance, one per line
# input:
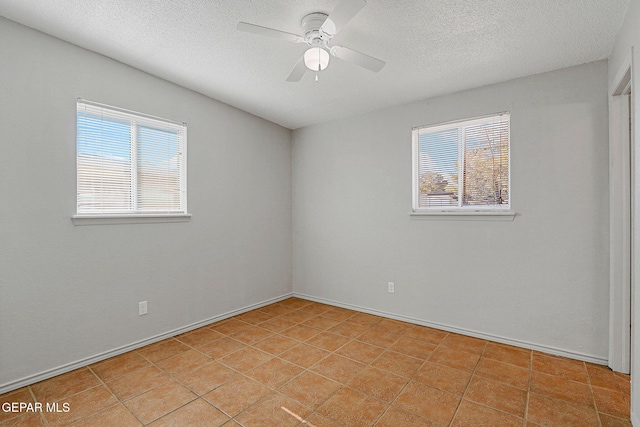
<point x="466" y="216"/>
<point x="129" y="219"/>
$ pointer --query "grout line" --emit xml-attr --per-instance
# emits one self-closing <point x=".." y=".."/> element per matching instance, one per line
<point x="593" y="396"/>
<point x="526" y="403"/>
<point x="473" y="372"/>
<point x="44" y="419"/>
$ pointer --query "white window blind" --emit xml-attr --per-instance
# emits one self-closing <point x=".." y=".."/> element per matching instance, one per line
<point x="462" y="166"/>
<point x="129" y="163"/>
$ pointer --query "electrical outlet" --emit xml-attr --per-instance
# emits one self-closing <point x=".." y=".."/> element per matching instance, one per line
<point x="142" y="308"/>
<point x="391" y="287"/>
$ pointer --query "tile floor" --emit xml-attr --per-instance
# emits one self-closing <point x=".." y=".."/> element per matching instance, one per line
<point x="300" y="363"/>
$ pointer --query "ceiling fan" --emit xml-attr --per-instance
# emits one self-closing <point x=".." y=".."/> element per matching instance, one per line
<point x="319" y="28"/>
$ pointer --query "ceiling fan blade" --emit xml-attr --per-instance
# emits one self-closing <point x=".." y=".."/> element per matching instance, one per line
<point x="269" y="32"/>
<point x="341" y="14"/>
<point x="298" y="71"/>
<point x="358" y="58"/>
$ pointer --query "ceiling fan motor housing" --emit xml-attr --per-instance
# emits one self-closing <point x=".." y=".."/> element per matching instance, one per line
<point x="311" y="25"/>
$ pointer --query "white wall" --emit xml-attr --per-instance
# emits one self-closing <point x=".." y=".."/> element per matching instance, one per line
<point x="68" y="292"/>
<point x="540" y="281"/>
<point x="629" y="39"/>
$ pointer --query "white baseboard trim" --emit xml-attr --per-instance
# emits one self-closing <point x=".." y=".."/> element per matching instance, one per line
<point x="68" y="367"/>
<point x="635" y="421"/>
<point x="517" y="343"/>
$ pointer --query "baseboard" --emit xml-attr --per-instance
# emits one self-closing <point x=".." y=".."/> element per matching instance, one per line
<point x="517" y="343"/>
<point x="635" y="421"/>
<point x="49" y="373"/>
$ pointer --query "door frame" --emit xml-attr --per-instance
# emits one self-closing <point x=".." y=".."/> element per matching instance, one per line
<point x="621" y="176"/>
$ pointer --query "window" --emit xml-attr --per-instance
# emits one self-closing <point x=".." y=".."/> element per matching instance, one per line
<point x="462" y="166"/>
<point x="129" y="164"/>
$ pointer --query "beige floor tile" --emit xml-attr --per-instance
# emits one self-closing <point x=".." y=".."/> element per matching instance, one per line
<point x="471" y="414"/>
<point x="561" y="367"/>
<point x="199" y="337"/>
<point x="255" y="317"/>
<point x="338" y="368"/>
<point x="559" y="388"/>
<point x="277" y="324"/>
<point x="32" y="419"/>
<point x="300" y="332"/>
<point x="327" y="341"/>
<point x="275" y="372"/>
<point x="504" y="372"/>
<point x="395" y="417"/>
<point x="456" y="359"/>
<point x="340" y="408"/>
<point x="398" y="363"/>
<point x="360" y="351"/>
<point x="318" y="420"/>
<point x="304" y="355"/>
<point x="497" y="395"/>
<point x="198" y="413"/>
<point x="163" y="350"/>
<point x="159" y="401"/>
<point x="236" y="395"/>
<point x="117" y="415"/>
<point x="321" y="322"/>
<point x="423" y="333"/>
<point x="220" y="348"/>
<point x="602" y="376"/>
<point x="119" y="366"/>
<point x="81" y="405"/>
<point x="275" y="410"/>
<point x="393" y="326"/>
<point x="276" y="344"/>
<point x="413" y="347"/>
<point x="551" y="412"/>
<point x="508" y="354"/>
<point x="310" y="389"/>
<point x="184" y="362"/>
<point x="246" y="359"/>
<point x="208" y="377"/>
<point x="380" y="384"/>
<point x="64" y="385"/>
<point x="428" y="402"/>
<point x="443" y="378"/>
<point x="348" y="329"/>
<point x="378" y="337"/>
<point x="609" y="421"/>
<point x="252" y="334"/>
<point x="612" y="402"/>
<point x="137" y="382"/>
<point x="341" y="314"/>
<point x="463" y="343"/>
<point x="22" y="395"/>
<point x="229" y="326"/>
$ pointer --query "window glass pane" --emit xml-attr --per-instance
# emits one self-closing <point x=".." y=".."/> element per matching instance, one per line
<point x="486" y="164"/>
<point x="438" y="169"/>
<point x="158" y="169"/>
<point x="103" y="164"/>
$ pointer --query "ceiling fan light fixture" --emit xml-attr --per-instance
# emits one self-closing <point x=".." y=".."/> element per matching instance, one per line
<point x="316" y="58"/>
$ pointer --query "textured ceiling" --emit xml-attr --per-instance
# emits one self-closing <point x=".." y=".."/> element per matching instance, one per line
<point x="431" y="47"/>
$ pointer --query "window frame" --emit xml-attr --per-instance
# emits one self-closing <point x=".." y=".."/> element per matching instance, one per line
<point x="498" y="212"/>
<point x="135" y="215"/>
